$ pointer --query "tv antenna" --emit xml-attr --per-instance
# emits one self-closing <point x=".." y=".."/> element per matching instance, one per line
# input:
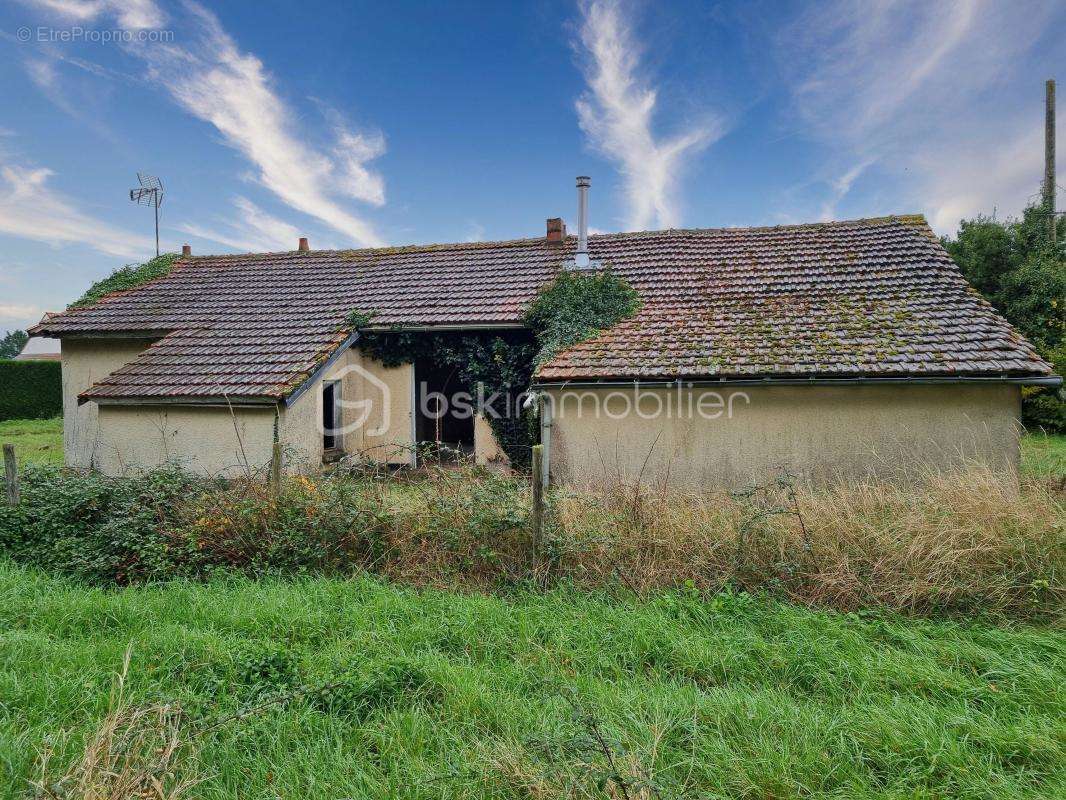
<point x="150" y="194"/>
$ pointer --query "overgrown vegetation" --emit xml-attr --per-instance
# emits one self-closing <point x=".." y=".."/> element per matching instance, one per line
<point x="1015" y="266"/>
<point x="576" y="306"/>
<point x="30" y="389"/>
<point x="127" y="277"/>
<point x="500" y="363"/>
<point x="963" y="543"/>
<point x="361" y="689"/>
<point x="572" y="308"/>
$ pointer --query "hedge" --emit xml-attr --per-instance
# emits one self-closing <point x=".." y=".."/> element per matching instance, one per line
<point x="30" y="389"/>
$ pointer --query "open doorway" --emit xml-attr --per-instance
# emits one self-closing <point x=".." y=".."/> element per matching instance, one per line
<point x="444" y="413"/>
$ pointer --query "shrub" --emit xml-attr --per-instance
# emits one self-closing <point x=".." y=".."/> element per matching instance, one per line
<point x="576" y="306"/>
<point x="960" y="543"/>
<point x="30" y="389"/>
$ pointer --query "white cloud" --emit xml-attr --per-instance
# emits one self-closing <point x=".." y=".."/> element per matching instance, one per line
<point x="212" y="79"/>
<point x="31" y="209"/>
<point x="131" y="14"/>
<point x="840" y="186"/>
<point x="253" y="230"/>
<point x="616" y="112"/>
<point x="475" y="232"/>
<point x="946" y="98"/>
<point x="18" y="316"/>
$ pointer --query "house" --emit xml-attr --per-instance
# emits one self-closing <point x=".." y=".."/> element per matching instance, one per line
<point x="40" y="348"/>
<point x="834" y="350"/>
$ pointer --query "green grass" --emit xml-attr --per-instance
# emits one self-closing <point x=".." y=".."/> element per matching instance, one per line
<point x="37" y="441"/>
<point x="1044" y="455"/>
<point x="737" y="697"/>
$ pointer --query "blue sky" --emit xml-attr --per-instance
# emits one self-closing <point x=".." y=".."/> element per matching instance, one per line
<point x="359" y="124"/>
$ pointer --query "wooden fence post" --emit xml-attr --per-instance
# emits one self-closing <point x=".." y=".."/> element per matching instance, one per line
<point x="538" y="497"/>
<point x="11" y="475"/>
<point x="275" y="470"/>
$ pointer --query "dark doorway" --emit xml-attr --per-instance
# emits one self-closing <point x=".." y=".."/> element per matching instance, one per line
<point x="330" y="395"/>
<point x="444" y="409"/>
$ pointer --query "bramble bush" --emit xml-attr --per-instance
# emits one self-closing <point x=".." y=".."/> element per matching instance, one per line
<point x="965" y="542"/>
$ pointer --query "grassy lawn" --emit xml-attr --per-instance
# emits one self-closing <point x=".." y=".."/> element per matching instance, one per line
<point x="37" y="441"/>
<point x="1044" y="455"/>
<point x="446" y="695"/>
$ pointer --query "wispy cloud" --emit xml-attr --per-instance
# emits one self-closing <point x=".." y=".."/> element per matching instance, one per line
<point x="252" y="230"/>
<point x="31" y="209"/>
<point x="213" y="79"/>
<point x="617" y="113"/>
<point x="131" y="14"/>
<point x="929" y="92"/>
<point x="18" y="316"/>
<point x="44" y="74"/>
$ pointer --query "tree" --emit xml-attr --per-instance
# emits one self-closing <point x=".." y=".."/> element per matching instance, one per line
<point x="1020" y="272"/>
<point x="12" y="343"/>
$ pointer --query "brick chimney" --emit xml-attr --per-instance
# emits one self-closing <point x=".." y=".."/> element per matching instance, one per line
<point x="556" y="229"/>
<point x="303" y="244"/>
<point x="186" y="250"/>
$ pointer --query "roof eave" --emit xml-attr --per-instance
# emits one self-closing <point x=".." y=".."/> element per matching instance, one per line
<point x="1051" y="381"/>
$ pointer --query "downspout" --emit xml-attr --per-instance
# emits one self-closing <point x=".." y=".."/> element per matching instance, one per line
<point x="545" y="409"/>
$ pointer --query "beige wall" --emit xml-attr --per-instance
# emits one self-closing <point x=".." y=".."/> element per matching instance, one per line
<point x="820" y="433"/>
<point x="86" y="361"/>
<point x="204" y="440"/>
<point x="487" y="450"/>
<point x="118" y="439"/>
<point x="376" y="405"/>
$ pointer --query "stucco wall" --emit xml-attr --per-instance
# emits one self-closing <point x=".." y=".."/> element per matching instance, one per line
<point x="204" y="440"/>
<point x="375" y="413"/>
<point x="487" y="450"/>
<point x="86" y="361"/>
<point x="219" y="440"/>
<point x="819" y="433"/>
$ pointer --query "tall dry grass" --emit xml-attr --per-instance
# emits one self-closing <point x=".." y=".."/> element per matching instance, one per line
<point x="966" y="540"/>
<point x="137" y="752"/>
<point x="961" y="541"/>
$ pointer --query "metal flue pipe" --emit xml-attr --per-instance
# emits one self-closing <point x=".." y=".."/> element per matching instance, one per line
<point x="581" y="258"/>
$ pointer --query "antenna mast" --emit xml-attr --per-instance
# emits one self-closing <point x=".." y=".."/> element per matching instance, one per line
<point x="149" y="194"/>
<point x="1049" y="158"/>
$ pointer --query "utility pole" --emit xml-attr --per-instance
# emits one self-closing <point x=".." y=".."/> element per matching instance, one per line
<point x="1049" y="158"/>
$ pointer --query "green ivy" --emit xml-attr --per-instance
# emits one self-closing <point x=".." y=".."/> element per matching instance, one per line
<point x="576" y="306"/>
<point x="127" y="277"/>
<point x="572" y="308"/>
<point x="502" y="362"/>
<point x="357" y="319"/>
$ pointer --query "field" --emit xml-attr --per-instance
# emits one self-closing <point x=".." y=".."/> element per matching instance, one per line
<point x="946" y="678"/>
<point x="37" y="441"/>
<point x="557" y="694"/>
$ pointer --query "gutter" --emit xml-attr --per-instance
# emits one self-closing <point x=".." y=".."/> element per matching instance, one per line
<point x="485" y="326"/>
<point x="211" y="402"/>
<point x="1049" y="381"/>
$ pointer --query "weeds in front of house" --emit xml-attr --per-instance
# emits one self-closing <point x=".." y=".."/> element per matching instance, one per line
<point x="136" y="751"/>
<point x="962" y="542"/>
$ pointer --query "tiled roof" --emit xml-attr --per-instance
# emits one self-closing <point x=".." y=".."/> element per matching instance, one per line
<point x="874" y="298"/>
